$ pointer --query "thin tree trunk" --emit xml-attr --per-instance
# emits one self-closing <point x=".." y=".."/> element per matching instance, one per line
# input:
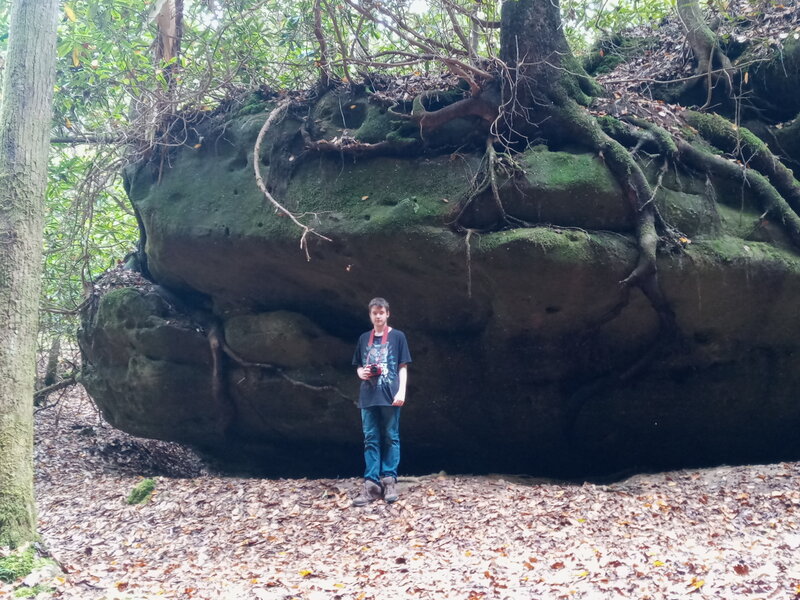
<point x="51" y="372"/>
<point x="24" y="126"/>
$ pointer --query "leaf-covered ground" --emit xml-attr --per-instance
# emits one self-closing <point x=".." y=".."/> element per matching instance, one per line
<point x="728" y="532"/>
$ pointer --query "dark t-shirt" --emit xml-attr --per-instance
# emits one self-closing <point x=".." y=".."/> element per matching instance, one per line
<point x="380" y="390"/>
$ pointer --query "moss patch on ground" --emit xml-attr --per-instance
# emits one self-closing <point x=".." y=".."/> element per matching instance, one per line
<point x="142" y="492"/>
<point x="17" y="565"/>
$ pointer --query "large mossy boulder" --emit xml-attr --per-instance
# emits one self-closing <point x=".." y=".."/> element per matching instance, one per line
<point x="525" y="348"/>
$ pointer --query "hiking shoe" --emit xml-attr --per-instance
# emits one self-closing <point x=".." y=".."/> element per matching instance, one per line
<point x="369" y="493"/>
<point x="389" y="489"/>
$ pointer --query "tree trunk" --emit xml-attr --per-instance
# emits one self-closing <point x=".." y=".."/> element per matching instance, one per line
<point x="51" y="372"/>
<point x="532" y="40"/>
<point x="24" y="126"/>
<point x="542" y="71"/>
<point x="705" y="47"/>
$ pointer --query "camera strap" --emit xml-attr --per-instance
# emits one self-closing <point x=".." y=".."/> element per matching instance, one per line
<point x="385" y="336"/>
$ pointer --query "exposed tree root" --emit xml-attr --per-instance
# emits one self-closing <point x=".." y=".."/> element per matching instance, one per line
<point x="648" y="223"/>
<point x="276" y="114"/>
<point x="41" y="395"/>
<point x="637" y="191"/>
<point x="345" y="145"/>
<point x="468" y="249"/>
<point x="431" y="120"/>
<point x="747" y="147"/>
<point x="771" y="201"/>
<point x="770" y="181"/>
<point x="278" y="371"/>
<point x="486" y="180"/>
<point x="427" y="121"/>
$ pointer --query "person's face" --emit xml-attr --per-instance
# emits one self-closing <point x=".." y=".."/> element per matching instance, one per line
<point x="379" y="316"/>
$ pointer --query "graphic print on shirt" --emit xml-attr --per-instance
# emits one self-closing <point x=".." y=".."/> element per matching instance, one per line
<point x="378" y="354"/>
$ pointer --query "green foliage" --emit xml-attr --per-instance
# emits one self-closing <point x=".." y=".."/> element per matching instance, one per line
<point x="586" y="21"/>
<point x="142" y="492"/>
<point x="32" y="592"/>
<point x="88" y="227"/>
<point x="17" y="565"/>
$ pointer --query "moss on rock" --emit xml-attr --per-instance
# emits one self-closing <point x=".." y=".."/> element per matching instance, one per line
<point x="562" y="188"/>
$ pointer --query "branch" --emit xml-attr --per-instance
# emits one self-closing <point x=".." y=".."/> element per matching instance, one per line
<point x="64" y="383"/>
<point x="342" y="46"/>
<point x="457" y="66"/>
<point x="325" y="76"/>
<point x="460" y="32"/>
<point x="477" y="20"/>
<point x="404" y="32"/>
<point x="98" y="138"/>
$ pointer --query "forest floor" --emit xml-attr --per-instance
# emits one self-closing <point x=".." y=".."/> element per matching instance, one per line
<point x="726" y="532"/>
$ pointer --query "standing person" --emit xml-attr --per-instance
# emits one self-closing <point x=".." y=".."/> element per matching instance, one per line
<point x="382" y="359"/>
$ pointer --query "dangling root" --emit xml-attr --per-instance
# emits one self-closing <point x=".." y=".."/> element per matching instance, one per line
<point x="486" y="180"/>
<point x="469" y="262"/>
<point x="277" y="113"/>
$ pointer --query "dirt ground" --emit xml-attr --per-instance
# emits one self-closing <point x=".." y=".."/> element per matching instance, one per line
<point x="727" y="532"/>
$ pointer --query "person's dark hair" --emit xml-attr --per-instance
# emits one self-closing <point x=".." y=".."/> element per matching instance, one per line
<point x="378" y="302"/>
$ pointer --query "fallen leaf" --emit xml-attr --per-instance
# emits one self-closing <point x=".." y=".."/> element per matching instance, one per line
<point x="697" y="583"/>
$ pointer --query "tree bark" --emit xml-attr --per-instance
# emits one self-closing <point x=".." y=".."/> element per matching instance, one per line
<point x="24" y="126"/>
<point x="532" y="41"/>
<point x="542" y="71"/>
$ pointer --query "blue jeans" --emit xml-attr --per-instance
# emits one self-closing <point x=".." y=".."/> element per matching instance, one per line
<point x="381" y="426"/>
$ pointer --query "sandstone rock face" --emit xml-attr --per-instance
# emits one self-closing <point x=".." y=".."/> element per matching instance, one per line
<point x="522" y="352"/>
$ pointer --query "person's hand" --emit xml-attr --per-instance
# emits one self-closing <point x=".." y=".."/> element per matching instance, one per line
<point x="398" y="400"/>
<point x="363" y="373"/>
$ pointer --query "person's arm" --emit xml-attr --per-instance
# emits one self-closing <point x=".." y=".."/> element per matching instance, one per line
<point x="361" y="372"/>
<point x="402" y="376"/>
